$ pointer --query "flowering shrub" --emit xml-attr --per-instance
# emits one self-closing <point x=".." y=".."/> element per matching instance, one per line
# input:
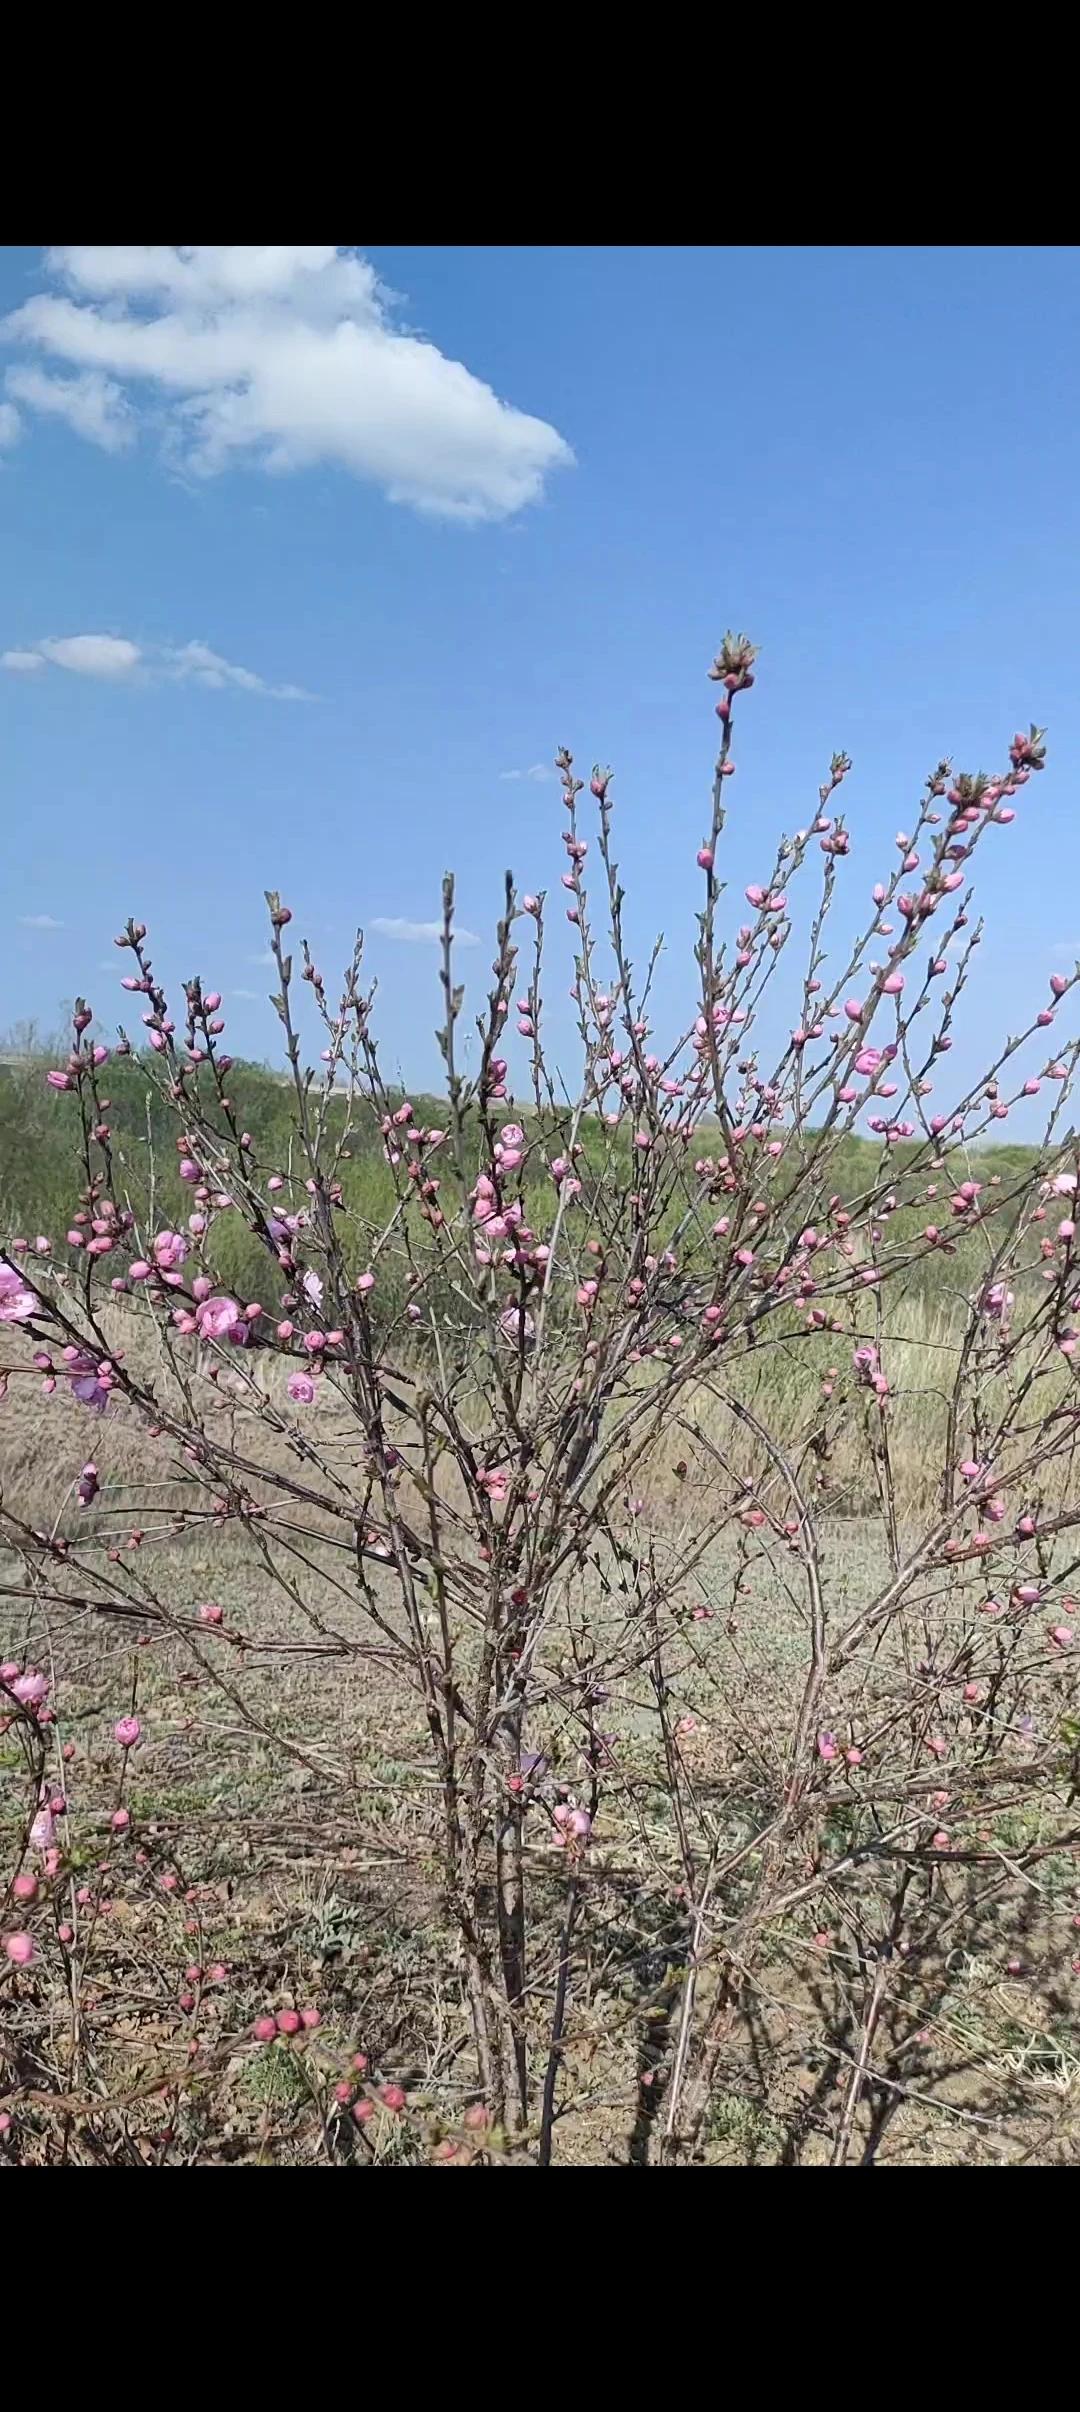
<point x="518" y="1442"/>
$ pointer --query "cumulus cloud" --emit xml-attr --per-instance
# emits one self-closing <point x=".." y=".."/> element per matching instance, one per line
<point x="39" y="921"/>
<point x="91" y="656"/>
<point x="95" y="406"/>
<point x="280" y="356"/>
<point x="419" y="933"/>
<point x="536" y="770"/>
<point x="113" y="657"/>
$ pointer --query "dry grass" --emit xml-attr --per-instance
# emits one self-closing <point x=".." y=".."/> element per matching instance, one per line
<point x="296" y="1843"/>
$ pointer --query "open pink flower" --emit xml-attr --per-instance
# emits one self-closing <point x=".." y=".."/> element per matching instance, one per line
<point x="32" y="1688"/>
<point x="17" y="1303"/>
<point x="89" y="1384"/>
<point x="217" y="1319"/>
<point x="169" y="1250"/>
<point x="301" y="1388"/>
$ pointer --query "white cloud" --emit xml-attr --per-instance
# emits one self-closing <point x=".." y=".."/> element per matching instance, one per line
<point x="199" y="662"/>
<point x="113" y="657"/>
<point x="249" y="996"/>
<point x="39" y="921"/>
<point x="95" y="406"/>
<point x="91" y="656"/>
<point x="10" y="424"/>
<point x="264" y="961"/>
<point x="536" y="770"/>
<point x="420" y="933"/>
<point x="279" y="356"/>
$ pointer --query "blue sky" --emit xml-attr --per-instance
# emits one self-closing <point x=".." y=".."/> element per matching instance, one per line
<point x="269" y="464"/>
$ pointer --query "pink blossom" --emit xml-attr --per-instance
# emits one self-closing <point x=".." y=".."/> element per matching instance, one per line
<point x="169" y="1250"/>
<point x="301" y="1388"/>
<point x="217" y="1318"/>
<point x="128" y="1732"/>
<point x="91" y="1379"/>
<point x="996" y="1301"/>
<point x="32" y="1688"/>
<point x="17" y="1303"/>
<point x="516" y="1325"/>
<point x="19" y="1949"/>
